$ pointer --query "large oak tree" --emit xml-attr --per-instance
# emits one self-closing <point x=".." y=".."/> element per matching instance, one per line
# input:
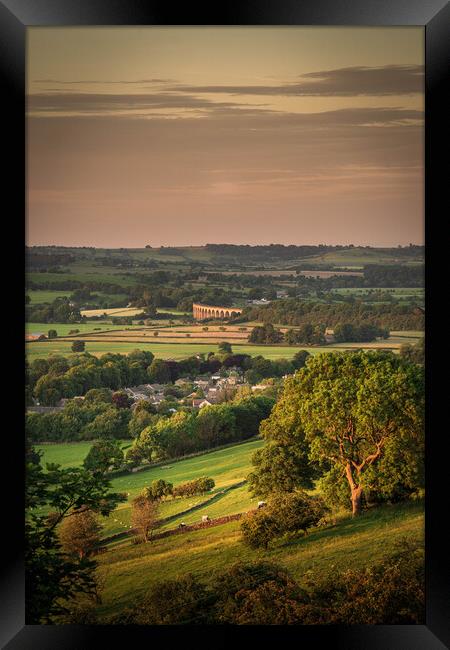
<point x="357" y="414"/>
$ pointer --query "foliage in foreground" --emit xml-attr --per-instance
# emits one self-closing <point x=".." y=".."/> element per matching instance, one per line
<point x="54" y="576"/>
<point x="262" y="593"/>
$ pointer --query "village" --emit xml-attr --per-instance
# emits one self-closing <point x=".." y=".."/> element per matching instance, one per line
<point x="196" y="393"/>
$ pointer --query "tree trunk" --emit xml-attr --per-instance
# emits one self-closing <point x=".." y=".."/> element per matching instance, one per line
<point x="356" y="491"/>
<point x="356" y="500"/>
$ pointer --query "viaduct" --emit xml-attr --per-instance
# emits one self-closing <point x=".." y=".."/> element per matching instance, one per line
<point x="201" y="312"/>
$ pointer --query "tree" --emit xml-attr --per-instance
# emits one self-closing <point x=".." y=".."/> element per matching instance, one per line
<point x="52" y="577"/>
<point x="98" y="395"/>
<point x="80" y="533"/>
<point x="265" y="334"/>
<point x="157" y="490"/>
<point x="414" y="353"/>
<point x="144" y="516"/>
<point x="353" y="406"/>
<point x="141" y="418"/>
<point x="280" y="468"/>
<point x="102" y="455"/>
<point x="300" y="358"/>
<point x="121" y="400"/>
<point x="225" y="346"/>
<point x="78" y="346"/>
<point x="158" y="372"/>
<point x="52" y="334"/>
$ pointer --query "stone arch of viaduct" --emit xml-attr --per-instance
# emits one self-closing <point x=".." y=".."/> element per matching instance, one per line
<point x="200" y="312"/>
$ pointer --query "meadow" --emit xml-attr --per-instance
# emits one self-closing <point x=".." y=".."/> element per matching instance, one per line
<point x="346" y="543"/>
<point x="63" y="329"/>
<point x="68" y="454"/>
<point x="180" y="348"/>
<point x="226" y="466"/>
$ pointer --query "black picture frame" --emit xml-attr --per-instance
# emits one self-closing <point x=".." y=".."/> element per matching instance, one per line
<point x="15" y="17"/>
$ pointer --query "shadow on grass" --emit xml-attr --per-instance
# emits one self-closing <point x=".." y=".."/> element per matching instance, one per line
<point x="348" y="525"/>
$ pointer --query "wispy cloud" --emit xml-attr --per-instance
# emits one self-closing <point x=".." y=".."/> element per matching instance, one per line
<point x="155" y="80"/>
<point x="341" y="82"/>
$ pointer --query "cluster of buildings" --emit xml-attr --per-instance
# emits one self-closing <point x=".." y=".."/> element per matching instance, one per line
<point x="205" y="390"/>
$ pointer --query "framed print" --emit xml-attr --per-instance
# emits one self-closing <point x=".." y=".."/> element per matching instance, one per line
<point x="232" y="236"/>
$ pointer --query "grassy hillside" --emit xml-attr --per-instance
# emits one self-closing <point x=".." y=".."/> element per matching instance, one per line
<point x="226" y="466"/>
<point x="349" y="543"/>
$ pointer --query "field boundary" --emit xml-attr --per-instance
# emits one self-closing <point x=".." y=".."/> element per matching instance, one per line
<point x="161" y="522"/>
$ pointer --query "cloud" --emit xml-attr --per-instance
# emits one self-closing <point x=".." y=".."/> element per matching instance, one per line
<point x="105" y="102"/>
<point x="341" y="82"/>
<point x="155" y="80"/>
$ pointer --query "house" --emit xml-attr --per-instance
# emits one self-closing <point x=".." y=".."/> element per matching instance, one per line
<point x="260" y="387"/>
<point x="200" y="403"/>
<point x="35" y="336"/>
<point x="212" y="397"/>
<point x="155" y="388"/>
<point x="201" y="383"/>
<point x="329" y="335"/>
<point x="262" y="301"/>
<point x="182" y="382"/>
<point x="136" y="394"/>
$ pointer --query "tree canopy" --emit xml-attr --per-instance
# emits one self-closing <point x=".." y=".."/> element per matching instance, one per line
<point x="357" y="414"/>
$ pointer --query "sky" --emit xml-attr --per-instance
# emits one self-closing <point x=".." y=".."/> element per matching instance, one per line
<point x="191" y="135"/>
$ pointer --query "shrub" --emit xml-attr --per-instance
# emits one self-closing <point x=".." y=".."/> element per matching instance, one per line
<point x="191" y="488"/>
<point x="259" y="528"/>
<point x="157" y="490"/>
<point x="172" y="602"/>
<point x="286" y="512"/>
<point x="256" y="593"/>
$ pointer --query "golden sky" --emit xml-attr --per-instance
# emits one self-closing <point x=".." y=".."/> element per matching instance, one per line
<point x="194" y="135"/>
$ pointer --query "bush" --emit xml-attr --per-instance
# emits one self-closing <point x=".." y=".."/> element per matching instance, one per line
<point x="157" y="490"/>
<point x="259" y="528"/>
<point x="286" y="512"/>
<point x="172" y="602"/>
<point x="191" y="488"/>
<point x="256" y="593"/>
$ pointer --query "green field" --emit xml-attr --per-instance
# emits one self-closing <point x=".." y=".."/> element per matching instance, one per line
<point x="161" y="350"/>
<point x="44" y="349"/>
<point x="358" y="256"/>
<point x="38" y="297"/>
<point x="226" y="466"/>
<point x="63" y="329"/>
<point x="348" y="544"/>
<point x="68" y="454"/>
